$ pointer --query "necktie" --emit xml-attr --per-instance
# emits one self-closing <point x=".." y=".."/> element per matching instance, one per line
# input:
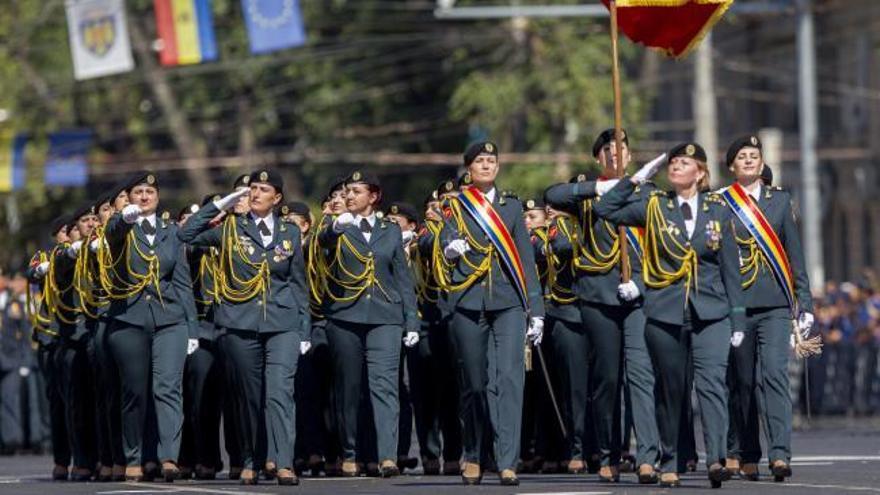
<point x="686" y="211"/>
<point x="147" y="227"/>
<point x="366" y="228"/>
<point x="264" y="230"/>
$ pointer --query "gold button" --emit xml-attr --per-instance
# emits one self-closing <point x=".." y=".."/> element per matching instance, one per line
<point x="370" y="253"/>
<point x="149" y="297"/>
<point x="152" y="252"/>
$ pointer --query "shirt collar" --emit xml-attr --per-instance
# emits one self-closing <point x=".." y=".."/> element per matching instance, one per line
<point x="754" y="191"/>
<point x="268" y="219"/>
<point x="150" y="218"/>
<point x="371" y="219"/>
<point x="692" y="201"/>
<point x="490" y="195"/>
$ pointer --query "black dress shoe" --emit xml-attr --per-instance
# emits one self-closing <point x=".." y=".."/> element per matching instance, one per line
<point x="431" y="467"/>
<point x="59" y="473"/>
<point x="389" y="469"/>
<point x="286" y="477"/>
<point x="81" y="474"/>
<point x="647" y="475"/>
<point x="718" y="474"/>
<point x="151" y="471"/>
<point x="670" y="480"/>
<point x="248" y="477"/>
<point x="781" y="470"/>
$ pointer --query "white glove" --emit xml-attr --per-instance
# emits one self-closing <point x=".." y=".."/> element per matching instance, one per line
<point x="737" y="339"/>
<point x="791" y="341"/>
<point x="411" y="339"/>
<point x="535" y="332"/>
<point x="407" y="235"/>
<point x="603" y="186"/>
<point x="805" y="324"/>
<point x="628" y="291"/>
<point x="94" y="245"/>
<point x="229" y="201"/>
<point x="341" y="221"/>
<point x="456" y="248"/>
<point x="24" y="371"/>
<point x="42" y="269"/>
<point x="649" y="169"/>
<point x="73" y="250"/>
<point x="304" y="347"/>
<point x="191" y="346"/>
<point x="131" y="213"/>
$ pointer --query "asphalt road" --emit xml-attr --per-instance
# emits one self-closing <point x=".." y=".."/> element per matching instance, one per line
<point x="840" y="457"/>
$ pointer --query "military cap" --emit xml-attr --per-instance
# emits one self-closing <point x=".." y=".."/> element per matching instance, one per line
<point x="59" y="223"/>
<point x="295" y="208"/>
<point x="465" y="180"/>
<point x="767" y="175"/>
<point x="446" y="187"/>
<point x="85" y="209"/>
<point x="692" y="150"/>
<point x="405" y="210"/>
<point x="191" y="209"/>
<point x="270" y="177"/>
<point x="243" y="180"/>
<point x="477" y="149"/>
<point x="750" y="141"/>
<point x="358" y="177"/>
<point x="431" y="197"/>
<point x="605" y="137"/>
<point x="533" y="204"/>
<point x="142" y="177"/>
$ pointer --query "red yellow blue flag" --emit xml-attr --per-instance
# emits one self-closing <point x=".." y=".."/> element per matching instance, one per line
<point x="12" y="163"/>
<point x="186" y="31"/>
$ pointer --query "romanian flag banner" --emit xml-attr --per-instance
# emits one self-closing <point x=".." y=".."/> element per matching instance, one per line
<point x="674" y="26"/>
<point x="635" y="235"/>
<point x="186" y="28"/>
<point x="757" y="224"/>
<point x="12" y="163"/>
<point x="490" y="222"/>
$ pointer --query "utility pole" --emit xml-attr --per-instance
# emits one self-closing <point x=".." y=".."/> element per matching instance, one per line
<point x="808" y="114"/>
<point x="705" y="106"/>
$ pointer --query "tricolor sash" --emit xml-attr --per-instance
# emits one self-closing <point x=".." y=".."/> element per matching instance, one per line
<point x="490" y="222"/>
<point x="757" y="224"/>
<point x="634" y="236"/>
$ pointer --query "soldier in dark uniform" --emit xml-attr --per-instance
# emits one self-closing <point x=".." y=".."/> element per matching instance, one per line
<point x="769" y="316"/>
<point x="146" y="275"/>
<point x="693" y="299"/>
<point x="65" y="304"/>
<point x="263" y="310"/>
<point x="489" y="319"/>
<point x="612" y="318"/>
<point x="370" y="304"/>
<point x="46" y="335"/>
<point x="434" y="387"/>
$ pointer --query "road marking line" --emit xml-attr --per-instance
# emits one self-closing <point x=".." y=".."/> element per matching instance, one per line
<point x="192" y="489"/>
<point x="824" y="487"/>
<point x="836" y="458"/>
<point x="566" y="493"/>
<point x="807" y="463"/>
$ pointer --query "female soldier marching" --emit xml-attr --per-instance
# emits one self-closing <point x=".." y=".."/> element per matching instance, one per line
<point x="263" y="309"/>
<point x="693" y="297"/>
<point x="495" y="299"/>
<point x="776" y="290"/>
<point x="369" y="302"/>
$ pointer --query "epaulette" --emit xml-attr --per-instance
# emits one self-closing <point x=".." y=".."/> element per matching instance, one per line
<point x="659" y="192"/>
<point x="509" y="194"/>
<point x="715" y="198"/>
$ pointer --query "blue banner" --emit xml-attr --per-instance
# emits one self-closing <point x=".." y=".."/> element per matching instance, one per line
<point x="273" y="24"/>
<point x="12" y="163"/>
<point x="67" y="163"/>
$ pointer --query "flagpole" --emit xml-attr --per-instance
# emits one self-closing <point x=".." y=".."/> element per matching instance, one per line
<point x="625" y="269"/>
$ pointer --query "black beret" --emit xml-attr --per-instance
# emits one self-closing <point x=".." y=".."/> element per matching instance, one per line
<point x="85" y="209"/>
<point x="431" y="197"/>
<point x="188" y="210"/>
<point x="211" y="198"/>
<point x="533" y="204"/>
<point x="59" y="223"/>
<point x="142" y="177"/>
<point x="740" y="143"/>
<point x="465" y="180"/>
<point x="296" y="208"/>
<point x="605" y="137"/>
<point x="477" y="149"/>
<point x="692" y="150"/>
<point x="767" y="175"/>
<point x="243" y="180"/>
<point x="270" y="177"/>
<point x="405" y="210"/>
<point x="446" y="187"/>
<point x="358" y="177"/>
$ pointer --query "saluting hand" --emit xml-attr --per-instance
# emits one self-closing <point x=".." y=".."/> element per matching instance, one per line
<point x="343" y="220"/>
<point x="229" y="201"/>
<point x="603" y="186"/>
<point x="131" y="213"/>
<point x="73" y="250"/>
<point x="648" y="170"/>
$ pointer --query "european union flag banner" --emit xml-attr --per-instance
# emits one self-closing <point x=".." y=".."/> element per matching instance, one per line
<point x="12" y="164"/>
<point x="67" y="163"/>
<point x="273" y="24"/>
